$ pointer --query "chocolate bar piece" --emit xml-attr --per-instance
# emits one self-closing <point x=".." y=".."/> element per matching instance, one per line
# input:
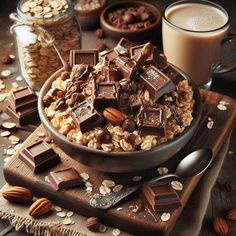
<point x="110" y="55"/>
<point x="135" y="102"/>
<point x="23" y="117"/>
<point x="126" y="44"/>
<point x="105" y="95"/>
<point x="64" y="179"/>
<point x="152" y="59"/>
<point x="161" y="197"/>
<point x="85" y="116"/>
<point x="161" y="61"/>
<point x="152" y="120"/>
<point x="112" y="73"/>
<point x="156" y="82"/>
<point x="39" y="157"/>
<point x="87" y="57"/>
<point x="22" y="98"/>
<point x="126" y="66"/>
<point x="172" y="73"/>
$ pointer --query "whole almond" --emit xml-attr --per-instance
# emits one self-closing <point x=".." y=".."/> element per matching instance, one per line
<point x="113" y="115"/>
<point x="231" y="215"/>
<point x="220" y="226"/>
<point x="40" y="207"/>
<point x="18" y="194"/>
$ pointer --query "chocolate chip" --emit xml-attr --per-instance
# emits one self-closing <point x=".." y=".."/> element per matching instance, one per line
<point x="130" y="138"/>
<point x="103" y="136"/>
<point x="99" y="33"/>
<point x="47" y="100"/>
<point x="65" y="75"/>
<point x="129" y="125"/>
<point x="6" y="59"/>
<point x="93" y="224"/>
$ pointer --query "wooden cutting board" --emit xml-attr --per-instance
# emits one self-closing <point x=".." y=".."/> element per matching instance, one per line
<point x="138" y="223"/>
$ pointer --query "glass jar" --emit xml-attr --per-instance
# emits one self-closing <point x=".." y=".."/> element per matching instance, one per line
<point x="38" y="58"/>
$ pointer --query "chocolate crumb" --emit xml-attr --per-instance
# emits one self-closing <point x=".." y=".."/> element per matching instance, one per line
<point x="6" y="59"/>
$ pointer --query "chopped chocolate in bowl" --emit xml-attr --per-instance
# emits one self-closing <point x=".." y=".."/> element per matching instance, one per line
<point x="122" y="103"/>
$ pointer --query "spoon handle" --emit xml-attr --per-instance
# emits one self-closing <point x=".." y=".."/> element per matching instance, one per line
<point x="158" y="178"/>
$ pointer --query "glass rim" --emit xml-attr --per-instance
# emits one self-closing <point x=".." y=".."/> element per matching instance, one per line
<point x="56" y="17"/>
<point x="205" y="2"/>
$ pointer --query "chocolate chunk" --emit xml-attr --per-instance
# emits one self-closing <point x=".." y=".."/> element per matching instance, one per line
<point x="129" y="125"/>
<point x="129" y="18"/>
<point x="85" y="117"/>
<point x="126" y="43"/>
<point x="22" y="98"/>
<point x="81" y="71"/>
<point x="152" y="120"/>
<point x="161" y="197"/>
<point x="99" y="33"/>
<point x="156" y="83"/>
<point x="161" y="61"/>
<point x="111" y="73"/>
<point x="101" y="47"/>
<point x="65" y="75"/>
<point x="64" y="179"/>
<point x="135" y="102"/>
<point x="60" y="104"/>
<point x="23" y="117"/>
<point x="152" y="59"/>
<point x="127" y="67"/>
<point x="47" y="100"/>
<point x="105" y="95"/>
<point x="176" y="115"/>
<point x="123" y="101"/>
<point x="39" y="157"/>
<point x="103" y="136"/>
<point x="88" y="57"/>
<point x="172" y="73"/>
<point x="110" y="55"/>
<point x="6" y="59"/>
<point x="75" y="99"/>
<point x="130" y="138"/>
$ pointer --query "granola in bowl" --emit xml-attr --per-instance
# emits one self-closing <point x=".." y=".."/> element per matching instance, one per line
<point x="127" y="100"/>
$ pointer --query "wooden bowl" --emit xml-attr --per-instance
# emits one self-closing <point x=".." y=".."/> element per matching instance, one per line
<point x="146" y="34"/>
<point x="89" y="19"/>
<point x="120" y="162"/>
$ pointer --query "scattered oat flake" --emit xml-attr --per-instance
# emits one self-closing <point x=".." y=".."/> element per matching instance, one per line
<point x="57" y="208"/>
<point x="19" y="78"/>
<point x="8" y="125"/>
<point x="102" y="190"/>
<point x="176" y="185"/>
<point x="224" y="103"/>
<point x="10" y="151"/>
<point x="40" y="134"/>
<point x="67" y="221"/>
<point x="108" y="183"/>
<point x="2" y="97"/>
<point x="89" y="189"/>
<point x="69" y="213"/>
<point x="7" y="159"/>
<point x="5" y="73"/>
<point x="209" y="119"/>
<point x="14" y="139"/>
<point x="14" y="85"/>
<point x="119" y="208"/>
<point x="17" y="146"/>
<point x="46" y="179"/>
<point x="162" y="170"/>
<point x="117" y="188"/>
<point x="88" y="184"/>
<point x="12" y="56"/>
<point x="165" y="216"/>
<point x="5" y="133"/>
<point x="137" y="178"/>
<point x="210" y="124"/>
<point x="2" y="86"/>
<point x="61" y="214"/>
<point x="102" y="228"/>
<point x="85" y="176"/>
<point x="116" y="232"/>
<point x="221" y="107"/>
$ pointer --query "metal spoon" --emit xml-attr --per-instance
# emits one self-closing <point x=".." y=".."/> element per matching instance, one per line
<point x="193" y="164"/>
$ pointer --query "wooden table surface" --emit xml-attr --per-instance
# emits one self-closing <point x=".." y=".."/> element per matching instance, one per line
<point x="225" y="84"/>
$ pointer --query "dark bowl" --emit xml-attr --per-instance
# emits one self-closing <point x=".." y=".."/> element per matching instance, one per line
<point x="146" y="34"/>
<point x="120" y="162"/>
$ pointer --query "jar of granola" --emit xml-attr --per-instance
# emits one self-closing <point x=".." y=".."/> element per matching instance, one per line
<point x="45" y="32"/>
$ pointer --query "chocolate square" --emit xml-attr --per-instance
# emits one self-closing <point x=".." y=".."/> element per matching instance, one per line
<point x="105" y="95"/>
<point x="87" y="57"/>
<point x="39" y="157"/>
<point x="172" y="73"/>
<point x="110" y="55"/>
<point x="64" y="179"/>
<point x="112" y="73"/>
<point x="156" y="82"/>
<point x="126" y="43"/>
<point x="85" y="116"/>
<point x="126" y="66"/>
<point x="134" y="51"/>
<point x="152" y="120"/>
<point x="22" y="98"/>
<point x="161" y="197"/>
<point x="161" y="61"/>
<point x="23" y="117"/>
<point x="135" y="102"/>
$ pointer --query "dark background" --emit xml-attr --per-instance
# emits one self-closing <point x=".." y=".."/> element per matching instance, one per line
<point x="225" y="84"/>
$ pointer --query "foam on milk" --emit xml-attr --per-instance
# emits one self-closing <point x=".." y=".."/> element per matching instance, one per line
<point x="196" y="17"/>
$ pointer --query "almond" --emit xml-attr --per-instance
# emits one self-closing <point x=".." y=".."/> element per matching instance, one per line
<point x="18" y="194"/>
<point x="220" y="226"/>
<point x="39" y="208"/>
<point x="232" y="214"/>
<point x="113" y="115"/>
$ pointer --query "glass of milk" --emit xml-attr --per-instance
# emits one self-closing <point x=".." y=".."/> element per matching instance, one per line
<point x="193" y="35"/>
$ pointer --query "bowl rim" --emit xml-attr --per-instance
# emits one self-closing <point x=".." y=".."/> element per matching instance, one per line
<point x="127" y="31"/>
<point x="95" y="10"/>
<point x="45" y="121"/>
